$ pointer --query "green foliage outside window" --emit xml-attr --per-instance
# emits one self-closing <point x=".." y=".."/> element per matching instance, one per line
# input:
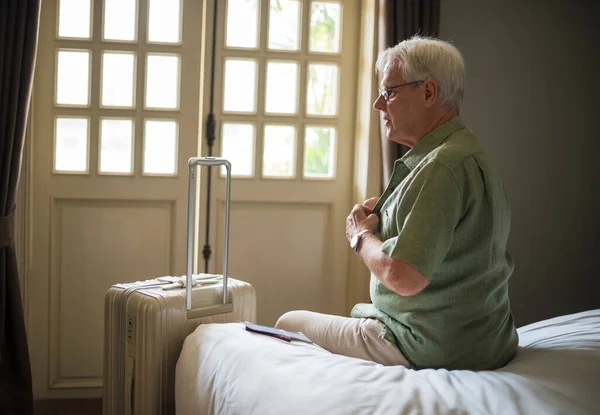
<point x="317" y="152"/>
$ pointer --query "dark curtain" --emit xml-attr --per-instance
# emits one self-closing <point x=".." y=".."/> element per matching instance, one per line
<point x="19" y="23"/>
<point x="398" y="21"/>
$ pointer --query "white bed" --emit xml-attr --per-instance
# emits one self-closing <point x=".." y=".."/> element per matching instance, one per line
<point x="224" y="369"/>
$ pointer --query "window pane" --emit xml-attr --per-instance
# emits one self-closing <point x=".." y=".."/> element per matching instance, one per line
<point x="116" y="146"/>
<point x="72" y="79"/>
<point x="325" y="23"/>
<point x="162" y="81"/>
<point x="319" y="152"/>
<point x="160" y="147"/>
<point x="240" y="85"/>
<point x="118" y="73"/>
<point x="120" y="19"/>
<point x="284" y="24"/>
<point x="74" y="18"/>
<point x="279" y="152"/>
<point x="71" y="151"/>
<point x="237" y="146"/>
<point x="282" y="87"/>
<point x="242" y="23"/>
<point x="164" y="21"/>
<point x="322" y="91"/>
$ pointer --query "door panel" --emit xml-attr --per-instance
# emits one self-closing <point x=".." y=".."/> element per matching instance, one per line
<point x="283" y="250"/>
<point x="109" y="173"/>
<point x="292" y="157"/>
<point x="89" y="238"/>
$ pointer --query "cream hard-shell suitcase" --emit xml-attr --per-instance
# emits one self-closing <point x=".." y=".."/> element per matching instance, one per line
<point x="146" y="322"/>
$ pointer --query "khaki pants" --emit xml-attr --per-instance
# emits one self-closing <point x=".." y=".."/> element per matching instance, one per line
<point x="353" y="337"/>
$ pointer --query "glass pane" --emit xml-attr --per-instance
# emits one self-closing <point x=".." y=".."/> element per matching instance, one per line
<point x="71" y="151"/>
<point x="72" y="78"/>
<point x="282" y="87"/>
<point x="325" y="23"/>
<point x="120" y="19"/>
<point x="322" y="91"/>
<point x="237" y="146"/>
<point x="118" y="73"/>
<point x="284" y="24"/>
<point x="160" y="147"/>
<point x="164" y="21"/>
<point x="279" y="152"/>
<point x="319" y="152"/>
<point x="242" y="23"/>
<point x="162" y="81"/>
<point x="116" y="146"/>
<point x="240" y="85"/>
<point x="74" y="19"/>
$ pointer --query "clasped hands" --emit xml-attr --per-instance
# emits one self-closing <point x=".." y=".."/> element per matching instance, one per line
<point x="362" y="218"/>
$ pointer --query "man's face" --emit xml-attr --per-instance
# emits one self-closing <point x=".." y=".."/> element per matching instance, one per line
<point x="403" y="111"/>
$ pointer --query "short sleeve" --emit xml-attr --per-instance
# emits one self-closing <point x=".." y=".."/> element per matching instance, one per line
<point x="426" y="216"/>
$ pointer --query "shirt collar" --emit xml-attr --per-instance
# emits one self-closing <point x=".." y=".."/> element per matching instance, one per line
<point x="430" y="141"/>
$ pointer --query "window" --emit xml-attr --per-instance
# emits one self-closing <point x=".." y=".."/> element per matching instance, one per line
<point x="279" y="112"/>
<point x="138" y="94"/>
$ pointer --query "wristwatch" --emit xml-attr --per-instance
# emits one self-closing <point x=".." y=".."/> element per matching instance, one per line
<point x="355" y="240"/>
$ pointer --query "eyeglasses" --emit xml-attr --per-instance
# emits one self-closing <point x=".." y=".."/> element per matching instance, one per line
<point x="386" y="91"/>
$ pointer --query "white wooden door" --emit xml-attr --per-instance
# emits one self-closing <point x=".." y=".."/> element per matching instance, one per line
<point x="116" y="102"/>
<point x="120" y="99"/>
<point x="284" y="103"/>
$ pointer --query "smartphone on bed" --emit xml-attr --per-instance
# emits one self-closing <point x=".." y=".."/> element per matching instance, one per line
<point x="274" y="332"/>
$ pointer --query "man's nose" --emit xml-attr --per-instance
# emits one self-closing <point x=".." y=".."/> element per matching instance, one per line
<point x="379" y="103"/>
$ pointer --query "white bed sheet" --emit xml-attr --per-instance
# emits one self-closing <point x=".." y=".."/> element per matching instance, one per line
<point x="224" y="369"/>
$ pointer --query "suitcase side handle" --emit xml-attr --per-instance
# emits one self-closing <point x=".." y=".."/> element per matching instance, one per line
<point x="226" y="306"/>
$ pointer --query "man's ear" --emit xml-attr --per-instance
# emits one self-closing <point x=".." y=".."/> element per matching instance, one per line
<point x="431" y="91"/>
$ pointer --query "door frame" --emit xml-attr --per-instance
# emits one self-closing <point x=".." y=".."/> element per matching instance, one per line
<point x="23" y="217"/>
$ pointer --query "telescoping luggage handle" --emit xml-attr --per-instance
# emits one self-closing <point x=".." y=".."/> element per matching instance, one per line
<point x="226" y="306"/>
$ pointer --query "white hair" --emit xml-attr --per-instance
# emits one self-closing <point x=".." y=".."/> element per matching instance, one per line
<point x="422" y="57"/>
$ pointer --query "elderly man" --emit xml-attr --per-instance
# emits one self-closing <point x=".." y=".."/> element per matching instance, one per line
<point x="435" y="240"/>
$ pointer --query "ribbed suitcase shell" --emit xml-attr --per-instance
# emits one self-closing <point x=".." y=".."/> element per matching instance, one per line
<point x="144" y="332"/>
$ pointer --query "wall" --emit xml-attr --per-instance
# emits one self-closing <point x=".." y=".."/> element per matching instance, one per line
<point x="533" y="99"/>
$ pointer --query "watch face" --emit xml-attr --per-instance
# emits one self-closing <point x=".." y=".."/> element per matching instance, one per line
<point x="354" y="241"/>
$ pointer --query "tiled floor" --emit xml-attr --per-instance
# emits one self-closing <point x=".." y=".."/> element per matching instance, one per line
<point x="68" y="407"/>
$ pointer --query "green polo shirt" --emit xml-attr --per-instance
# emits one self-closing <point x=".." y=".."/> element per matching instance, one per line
<point x="445" y="212"/>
